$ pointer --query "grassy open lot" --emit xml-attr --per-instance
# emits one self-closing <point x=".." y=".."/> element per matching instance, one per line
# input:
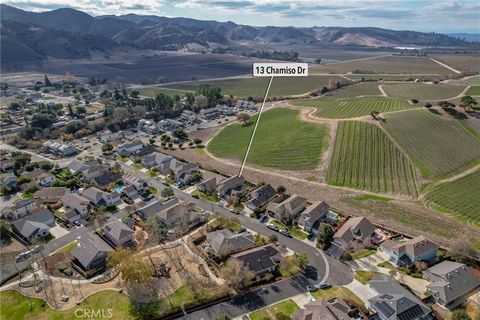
<point x="389" y="64"/>
<point x="473" y="91"/>
<point x="282" y="141"/>
<point x="287" y="307"/>
<point x="351" y="107"/>
<point x="356" y="90"/>
<point x="422" y="91"/>
<point x="364" y="276"/>
<point x="153" y="91"/>
<point x="340" y="292"/>
<point x="440" y="146"/>
<point x="459" y="197"/>
<point x="256" y="87"/>
<point x="365" y="158"/>
<point x="15" y="306"/>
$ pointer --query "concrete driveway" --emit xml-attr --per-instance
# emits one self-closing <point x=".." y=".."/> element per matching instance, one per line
<point x="362" y="291"/>
<point x="58" y="231"/>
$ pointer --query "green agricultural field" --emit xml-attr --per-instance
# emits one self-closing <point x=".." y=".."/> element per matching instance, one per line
<point x="152" y="92"/>
<point x="422" y="91"/>
<point x="475" y="80"/>
<point x="388" y="64"/>
<point x="356" y="90"/>
<point x="440" y="146"/>
<point x="353" y="107"/>
<point x="461" y="197"/>
<point x="256" y="87"/>
<point x="282" y="141"/>
<point x="365" y="158"/>
<point x="473" y="91"/>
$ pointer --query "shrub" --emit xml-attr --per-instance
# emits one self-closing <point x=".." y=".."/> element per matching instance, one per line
<point x="68" y="272"/>
<point x="62" y="267"/>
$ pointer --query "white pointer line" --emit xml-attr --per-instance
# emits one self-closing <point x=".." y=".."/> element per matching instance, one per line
<point x="255" y="128"/>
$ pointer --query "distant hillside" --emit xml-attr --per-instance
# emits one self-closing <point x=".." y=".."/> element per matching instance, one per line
<point x="69" y="33"/>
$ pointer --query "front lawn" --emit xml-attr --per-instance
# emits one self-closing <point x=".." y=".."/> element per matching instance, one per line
<point x="278" y="224"/>
<point x="287" y="307"/>
<point x="365" y="276"/>
<point x="67" y="248"/>
<point x="362" y="253"/>
<point x="298" y="233"/>
<point x="340" y="292"/>
<point x="137" y="166"/>
<point x="153" y="190"/>
<point x="387" y="265"/>
<point x="121" y="159"/>
<point x="205" y="196"/>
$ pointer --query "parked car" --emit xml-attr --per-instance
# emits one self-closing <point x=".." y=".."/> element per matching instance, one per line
<point x="325" y="285"/>
<point x="37" y="248"/>
<point x="286" y="233"/>
<point x="272" y="226"/>
<point x="262" y="218"/>
<point x="313" y="287"/>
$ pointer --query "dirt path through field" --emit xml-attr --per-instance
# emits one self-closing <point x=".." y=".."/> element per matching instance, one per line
<point x="446" y="66"/>
<point x="380" y="87"/>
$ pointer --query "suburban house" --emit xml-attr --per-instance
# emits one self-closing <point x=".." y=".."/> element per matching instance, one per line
<point x="130" y="191"/>
<point x="261" y="261"/>
<point x="321" y="309"/>
<point x="77" y="203"/>
<point x="62" y="149"/>
<point x="147" y="126"/>
<point x="145" y="151"/>
<point x="392" y="301"/>
<point x="129" y="148"/>
<point x="313" y="215"/>
<point x="231" y="189"/>
<point x="288" y="209"/>
<point x="136" y="182"/>
<point x="91" y="172"/>
<point x="106" y="178"/>
<point x="259" y="198"/>
<point x="183" y="175"/>
<point x="40" y="177"/>
<point x="35" y="225"/>
<point x="155" y="159"/>
<point x="357" y="231"/>
<point x="451" y="283"/>
<point x="154" y="207"/>
<point x="8" y="180"/>
<point x="119" y="233"/>
<point x="169" y="124"/>
<point x="179" y="214"/>
<point x="99" y="197"/>
<point x="208" y="114"/>
<point x="20" y="208"/>
<point x="90" y="254"/>
<point x="224" y="242"/>
<point x="208" y="186"/>
<point x="7" y="165"/>
<point x="76" y="166"/>
<point x="246" y="105"/>
<point x="50" y="194"/>
<point x="406" y="253"/>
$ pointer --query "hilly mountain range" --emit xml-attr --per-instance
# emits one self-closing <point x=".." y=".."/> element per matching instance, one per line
<point x="70" y="34"/>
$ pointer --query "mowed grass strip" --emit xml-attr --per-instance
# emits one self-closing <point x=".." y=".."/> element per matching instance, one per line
<point x="440" y="146"/>
<point x="365" y="158"/>
<point x="351" y="107"/>
<point x="459" y="197"/>
<point x="256" y="87"/>
<point x="282" y="141"/>
<point x="153" y="91"/>
<point x="422" y="91"/>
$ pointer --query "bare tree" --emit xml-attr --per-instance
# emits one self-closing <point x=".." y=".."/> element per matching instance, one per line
<point x="243" y="117"/>
<point x="237" y="274"/>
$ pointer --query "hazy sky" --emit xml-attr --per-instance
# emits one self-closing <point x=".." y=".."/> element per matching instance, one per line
<point x="420" y="15"/>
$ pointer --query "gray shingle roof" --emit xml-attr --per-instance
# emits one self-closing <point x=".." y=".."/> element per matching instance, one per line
<point x="320" y="309"/>
<point x="224" y="242"/>
<point x="451" y="280"/>
<point x="262" y="195"/>
<point x="40" y="219"/>
<point x="88" y="247"/>
<point x="394" y="301"/>
<point x="117" y="229"/>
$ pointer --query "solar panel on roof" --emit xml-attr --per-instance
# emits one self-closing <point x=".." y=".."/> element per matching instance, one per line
<point x="384" y="309"/>
<point x="411" y="314"/>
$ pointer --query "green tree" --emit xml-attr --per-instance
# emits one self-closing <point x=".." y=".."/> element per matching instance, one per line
<point x="42" y="120"/>
<point x="467" y="102"/>
<point x="197" y="176"/>
<point x="318" y="60"/>
<point x="81" y="110"/>
<point x="460" y="314"/>
<point x="46" y="81"/>
<point x="134" y="93"/>
<point x="428" y="105"/>
<point x="167" y="192"/>
<point x="281" y="189"/>
<point x="325" y="235"/>
<point x="180" y="133"/>
<point x="107" y="147"/>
